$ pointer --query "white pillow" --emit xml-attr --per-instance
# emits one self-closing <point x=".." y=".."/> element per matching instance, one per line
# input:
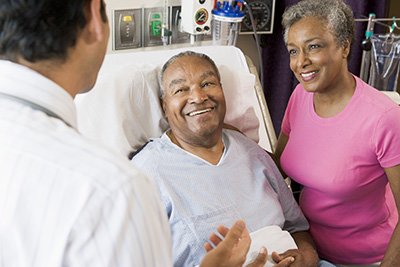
<point x="240" y="99"/>
<point x="123" y="109"/>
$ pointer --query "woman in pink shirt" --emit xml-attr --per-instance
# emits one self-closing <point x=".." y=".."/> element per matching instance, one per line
<point x="340" y="140"/>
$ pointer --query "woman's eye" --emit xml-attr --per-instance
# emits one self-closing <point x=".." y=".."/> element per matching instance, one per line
<point x="292" y="52"/>
<point x="314" y="46"/>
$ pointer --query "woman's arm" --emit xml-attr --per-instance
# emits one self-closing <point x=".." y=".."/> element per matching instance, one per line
<point x="280" y="146"/>
<point x="392" y="255"/>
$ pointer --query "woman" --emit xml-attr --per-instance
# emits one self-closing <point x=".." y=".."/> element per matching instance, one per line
<point x="340" y="141"/>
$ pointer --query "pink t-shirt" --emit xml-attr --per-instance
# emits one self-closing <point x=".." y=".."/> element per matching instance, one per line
<point x="340" y="161"/>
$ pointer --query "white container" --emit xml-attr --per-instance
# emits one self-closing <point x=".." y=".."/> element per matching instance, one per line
<point x="226" y="20"/>
<point x="225" y="30"/>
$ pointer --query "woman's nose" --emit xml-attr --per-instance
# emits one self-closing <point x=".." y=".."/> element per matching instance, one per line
<point x="303" y="60"/>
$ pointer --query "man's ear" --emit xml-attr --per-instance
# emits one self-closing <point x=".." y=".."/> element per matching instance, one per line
<point x="162" y="105"/>
<point x="95" y="29"/>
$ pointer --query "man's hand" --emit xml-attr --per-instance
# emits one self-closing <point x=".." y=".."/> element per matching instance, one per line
<point x="304" y="256"/>
<point x="295" y="258"/>
<point x="232" y="250"/>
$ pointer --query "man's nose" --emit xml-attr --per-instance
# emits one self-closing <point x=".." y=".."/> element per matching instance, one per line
<point x="198" y="95"/>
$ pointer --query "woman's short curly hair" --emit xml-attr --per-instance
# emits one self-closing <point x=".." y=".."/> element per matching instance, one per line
<point x="336" y="14"/>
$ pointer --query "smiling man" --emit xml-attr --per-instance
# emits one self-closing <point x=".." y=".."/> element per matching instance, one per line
<point x="208" y="175"/>
<point x="194" y="104"/>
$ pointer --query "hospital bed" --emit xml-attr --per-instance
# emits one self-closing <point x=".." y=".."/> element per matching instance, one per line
<point x="123" y="109"/>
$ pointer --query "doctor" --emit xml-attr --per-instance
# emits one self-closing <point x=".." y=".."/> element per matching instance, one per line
<point x="65" y="201"/>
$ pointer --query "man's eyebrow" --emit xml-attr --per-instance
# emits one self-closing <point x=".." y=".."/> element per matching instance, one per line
<point x="208" y="74"/>
<point x="175" y="82"/>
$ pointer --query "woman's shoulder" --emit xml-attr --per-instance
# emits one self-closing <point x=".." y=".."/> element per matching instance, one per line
<point x="374" y="98"/>
<point x="299" y="94"/>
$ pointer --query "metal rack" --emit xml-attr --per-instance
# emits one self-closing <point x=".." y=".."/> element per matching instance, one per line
<point x="366" y="56"/>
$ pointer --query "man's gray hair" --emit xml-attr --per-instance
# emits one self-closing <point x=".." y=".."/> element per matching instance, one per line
<point x="184" y="54"/>
<point x="336" y="14"/>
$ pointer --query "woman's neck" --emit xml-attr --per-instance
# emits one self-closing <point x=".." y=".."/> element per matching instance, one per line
<point x="329" y="104"/>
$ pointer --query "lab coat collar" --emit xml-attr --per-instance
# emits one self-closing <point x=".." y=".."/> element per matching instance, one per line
<point x="22" y="82"/>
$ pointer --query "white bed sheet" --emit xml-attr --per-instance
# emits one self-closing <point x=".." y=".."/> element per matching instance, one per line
<point x="273" y="238"/>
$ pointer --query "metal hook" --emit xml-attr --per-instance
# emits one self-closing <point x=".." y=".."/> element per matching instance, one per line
<point x="389" y="38"/>
<point x="366" y="43"/>
<point x="394" y="25"/>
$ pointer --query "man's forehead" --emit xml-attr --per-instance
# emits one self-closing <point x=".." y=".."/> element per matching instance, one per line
<point x="190" y="59"/>
<point x="183" y="62"/>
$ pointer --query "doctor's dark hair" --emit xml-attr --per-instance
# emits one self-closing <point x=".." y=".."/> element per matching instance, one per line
<point x="41" y="29"/>
<point x="336" y="14"/>
<point x="184" y="54"/>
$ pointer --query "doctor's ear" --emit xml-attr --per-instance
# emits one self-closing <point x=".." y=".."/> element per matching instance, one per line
<point x="97" y="22"/>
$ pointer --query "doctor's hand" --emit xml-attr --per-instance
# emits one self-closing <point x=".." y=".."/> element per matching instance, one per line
<point x="232" y="250"/>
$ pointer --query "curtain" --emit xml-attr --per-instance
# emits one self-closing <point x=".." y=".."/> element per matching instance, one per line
<point x="279" y="82"/>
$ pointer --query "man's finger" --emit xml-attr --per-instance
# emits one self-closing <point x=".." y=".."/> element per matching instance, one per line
<point x="285" y="262"/>
<point x="276" y="257"/>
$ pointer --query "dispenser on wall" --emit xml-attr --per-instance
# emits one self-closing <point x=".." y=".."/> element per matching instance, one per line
<point x="196" y="16"/>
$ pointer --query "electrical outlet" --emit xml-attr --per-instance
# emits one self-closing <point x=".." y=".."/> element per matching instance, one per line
<point x="153" y="20"/>
<point x="127" y="30"/>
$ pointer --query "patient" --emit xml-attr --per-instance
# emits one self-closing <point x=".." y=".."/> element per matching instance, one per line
<point x="208" y="175"/>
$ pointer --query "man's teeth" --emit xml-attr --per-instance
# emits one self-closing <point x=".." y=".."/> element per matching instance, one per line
<point x="194" y="113"/>
<point x="306" y="75"/>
